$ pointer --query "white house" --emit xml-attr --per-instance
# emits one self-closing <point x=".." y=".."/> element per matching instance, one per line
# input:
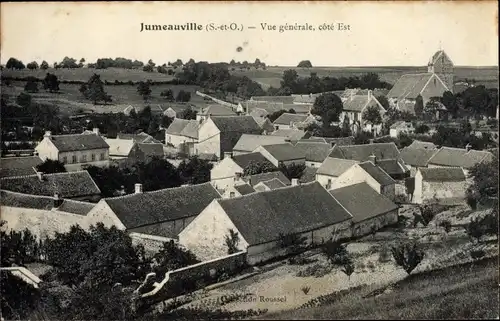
<point x="238" y="189"/>
<point x="289" y="121"/>
<point x="75" y="150"/>
<point x="183" y="135"/>
<point x="354" y="109"/>
<point x="401" y="127"/>
<point x="331" y="169"/>
<point x="270" y="185"/>
<point x="285" y="154"/>
<point x="440" y="184"/>
<point x="214" y="111"/>
<point x="248" y="142"/>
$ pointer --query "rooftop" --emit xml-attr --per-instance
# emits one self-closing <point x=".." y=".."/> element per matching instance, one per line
<point x="458" y="157"/>
<point x="335" y="166"/>
<point x="244" y="160"/>
<point x="377" y="173"/>
<point x="363" y="152"/>
<point x="249" y="142"/>
<point x="442" y="174"/>
<point x="314" y="151"/>
<point x="287" y="118"/>
<point x="262" y="177"/>
<point x="417" y="157"/>
<point x="244" y="189"/>
<point x="19" y="166"/>
<point x="76" y="142"/>
<point x="284" y="152"/>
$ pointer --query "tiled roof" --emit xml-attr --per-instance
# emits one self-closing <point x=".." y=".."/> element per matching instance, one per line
<point x="401" y="124"/>
<point x="264" y="123"/>
<point x="314" y="139"/>
<point x="26" y="200"/>
<point x="417" y="157"/>
<point x="262" y="107"/>
<point x="138" y="138"/>
<point x="244" y="189"/>
<point x="273" y="183"/>
<point x="410" y="86"/>
<point x="284" y="211"/>
<point x="442" y="174"/>
<point x="164" y="205"/>
<point x="119" y="147"/>
<point x="240" y="124"/>
<point x="314" y="152"/>
<point x="362" y="201"/>
<point x="75" y="142"/>
<point x="191" y="129"/>
<point x="292" y="134"/>
<point x="217" y="110"/>
<point x="76" y="207"/>
<point x="377" y="173"/>
<point x="284" y="152"/>
<point x="67" y="185"/>
<point x="287" y="118"/>
<point x="392" y="166"/>
<point x="362" y="152"/>
<point x="418" y="144"/>
<point x="19" y="166"/>
<point x="298" y="108"/>
<point x="244" y="160"/>
<point x="248" y="142"/>
<point x="177" y="126"/>
<point x="281" y="99"/>
<point x="151" y="149"/>
<point x="335" y="166"/>
<point x="262" y="177"/>
<point x="356" y="103"/>
<point x="341" y="141"/>
<point x="308" y="175"/>
<point x="457" y="157"/>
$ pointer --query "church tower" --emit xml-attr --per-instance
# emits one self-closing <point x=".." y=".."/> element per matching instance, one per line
<point x="441" y="65"/>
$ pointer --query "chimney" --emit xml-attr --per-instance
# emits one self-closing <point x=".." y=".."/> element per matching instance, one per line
<point x="96" y="130"/>
<point x="228" y="155"/>
<point x="138" y="188"/>
<point x="295" y="182"/>
<point x="47" y="134"/>
<point x="372" y="158"/>
<point x="40" y="175"/>
<point x="57" y="200"/>
<point x="468" y="147"/>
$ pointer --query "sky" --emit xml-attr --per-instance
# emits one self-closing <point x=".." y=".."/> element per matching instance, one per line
<point x="381" y="34"/>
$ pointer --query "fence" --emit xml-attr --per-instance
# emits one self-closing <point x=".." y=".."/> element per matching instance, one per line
<point x="194" y="277"/>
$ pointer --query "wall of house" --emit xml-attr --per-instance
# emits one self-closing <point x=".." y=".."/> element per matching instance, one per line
<point x="205" y="236"/>
<point x="81" y="166"/>
<point x="208" y="139"/>
<point x="389" y="191"/>
<point x="432" y="191"/>
<point x="166" y="229"/>
<point x="230" y="190"/>
<point x="323" y="180"/>
<point x="152" y="243"/>
<point x="42" y="223"/>
<point x="365" y="227"/>
<point x="356" y="175"/>
<point x="313" y="164"/>
<point x="47" y="150"/>
<point x="223" y="174"/>
<point x="85" y="156"/>
<point x="177" y="140"/>
<point x="281" y="126"/>
<point x="434" y="88"/>
<point x="102" y="213"/>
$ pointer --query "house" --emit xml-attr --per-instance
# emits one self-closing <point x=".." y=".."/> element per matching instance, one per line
<point x="465" y="158"/>
<point x="162" y="213"/>
<point x="138" y="138"/>
<point x="265" y="124"/>
<point x="71" y="185"/>
<point x="306" y="210"/>
<point x="396" y="168"/>
<point x="289" y="121"/>
<point x="416" y="158"/>
<point x="262" y="108"/>
<point x="74" y="151"/>
<point x="248" y="142"/>
<point x="331" y="169"/>
<point x="418" y="144"/>
<point x="370" y="173"/>
<point x="19" y="166"/>
<point x="401" y="127"/>
<point x="291" y="134"/>
<point x="354" y="109"/>
<point x="340" y="141"/>
<point x="125" y="152"/>
<point x="238" y="190"/>
<point x="214" y="111"/>
<point x="434" y="83"/>
<point x="269" y="185"/>
<point x="169" y="112"/>
<point x="227" y="172"/>
<point x="119" y="148"/>
<point x="440" y="184"/>
<point x="262" y="177"/>
<point x="282" y="154"/>
<point x="363" y="152"/>
<point x="145" y="152"/>
<point x="183" y="135"/>
<point x="370" y="210"/>
<point x="218" y="135"/>
<point x="42" y="215"/>
<point x="315" y="152"/>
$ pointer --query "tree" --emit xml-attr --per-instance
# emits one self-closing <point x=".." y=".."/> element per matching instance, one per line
<point x="156" y="174"/>
<point x="348" y="268"/>
<point x="292" y="170"/>
<point x="272" y="117"/>
<point x="422" y="129"/>
<point x="407" y="255"/>
<point x="13" y="63"/>
<point x="68" y="62"/>
<point x="168" y="94"/>
<point x="183" y="96"/>
<point x="304" y="64"/>
<point x="94" y="89"/>
<point x="44" y="65"/>
<point x="31" y="85"/>
<point x="335" y="252"/>
<point x="148" y="68"/>
<point x="328" y="106"/>
<point x="188" y="113"/>
<point x="362" y="137"/>
<point x="32" y="65"/>
<point x="195" y="170"/>
<point x="232" y="241"/>
<point x="171" y="257"/>
<point x="143" y="88"/>
<point x="419" y="106"/>
<point x="254" y="167"/>
<point x="289" y="81"/>
<point x="24" y="100"/>
<point x="50" y="166"/>
<point x="51" y="83"/>
<point x="383" y="101"/>
<point x="372" y="115"/>
<point x="292" y="241"/>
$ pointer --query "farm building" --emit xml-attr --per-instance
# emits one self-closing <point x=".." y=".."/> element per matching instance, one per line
<point x="183" y="135"/>
<point x="141" y="137"/>
<point x="400" y="127"/>
<point x="226" y="173"/>
<point x="72" y="185"/>
<point x="418" y="144"/>
<point x="19" y="166"/>
<point x="282" y="154"/>
<point x="370" y="210"/>
<point x="440" y="184"/>
<point x="269" y="185"/>
<point x="315" y="152"/>
<point x="465" y="158"/>
<point x="262" y="177"/>
<point x="214" y="111"/>
<point x="416" y="158"/>
<point x="306" y="210"/>
<point x="360" y="153"/>
<point x="218" y="135"/>
<point x="331" y="169"/>
<point x="74" y="151"/>
<point x="289" y="121"/>
<point x="265" y="124"/>
<point x="248" y="142"/>
<point x="354" y="108"/>
<point x="238" y="190"/>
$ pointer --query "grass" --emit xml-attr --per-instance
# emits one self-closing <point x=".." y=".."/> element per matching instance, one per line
<point x="466" y="291"/>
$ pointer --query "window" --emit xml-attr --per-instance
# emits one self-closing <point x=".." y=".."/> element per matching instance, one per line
<point x="231" y="194"/>
<point x="84" y="158"/>
<point x="65" y="159"/>
<point x="93" y="157"/>
<point x="73" y="159"/>
<point x="102" y="156"/>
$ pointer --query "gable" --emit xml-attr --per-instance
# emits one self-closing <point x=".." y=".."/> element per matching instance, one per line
<point x="225" y="168"/>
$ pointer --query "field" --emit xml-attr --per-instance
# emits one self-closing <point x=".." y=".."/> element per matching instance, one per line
<point x="70" y="101"/>
<point x="286" y="282"/>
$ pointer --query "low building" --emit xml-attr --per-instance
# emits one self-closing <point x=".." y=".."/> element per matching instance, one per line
<point x="226" y="173"/>
<point x="361" y="153"/>
<point x="248" y="143"/>
<point x="370" y="210"/>
<point x="370" y="173"/>
<point x="238" y="190"/>
<point x="307" y="211"/>
<point x="269" y="185"/>
<point x="71" y="185"/>
<point x="218" y="135"/>
<point x="141" y="137"/>
<point x="465" y="158"/>
<point x="400" y="127"/>
<point x="396" y="168"/>
<point x="162" y="213"/>
<point x="262" y="177"/>
<point x="183" y="135"/>
<point x="265" y="124"/>
<point x="19" y="166"/>
<point x="416" y="158"/>
<point x="354" y="109"/>
<point x="331" y="169"/>
<point x="119" y="149"/>
<point x="289" y="121"/>
<point x="418" y="144"/>
<point x="315" y="152"/>
<point x="214" y="111"/>
<point x="292" y="134"/>
<point x="74" y="151"/>
<point x="282" y="154"/>
<point x="439" y="185"/>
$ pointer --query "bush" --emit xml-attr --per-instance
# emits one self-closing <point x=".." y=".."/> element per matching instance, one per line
<point x="316" y="270"/>
<point x="477" y="254"/>
<point x="305" y="289"/>
<point x="487" y="225"/>
<point x="408" y="256"/>
<point x="335" y="252"/>
<point x="446" y="225"/>
<point x="348" y="268"/>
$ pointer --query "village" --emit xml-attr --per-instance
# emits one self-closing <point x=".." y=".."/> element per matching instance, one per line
<point x="269" y="213"/>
